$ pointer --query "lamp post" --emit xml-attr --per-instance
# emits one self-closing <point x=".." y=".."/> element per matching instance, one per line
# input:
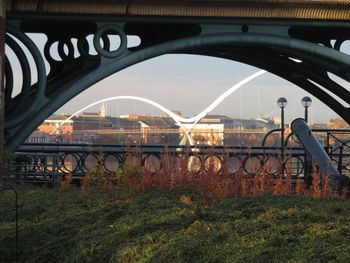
<point x="306" y="102"/>
<point x="282" y="103"/>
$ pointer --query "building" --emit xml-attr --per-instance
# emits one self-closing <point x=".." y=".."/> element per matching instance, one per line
<point x="51" y="125"/>
<point x="223" y="130"/>
<point x="91" y="127"/>
<point x="158" y="129"/>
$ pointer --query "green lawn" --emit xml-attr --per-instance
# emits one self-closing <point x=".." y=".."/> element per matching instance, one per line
<point x="157" y="227"/>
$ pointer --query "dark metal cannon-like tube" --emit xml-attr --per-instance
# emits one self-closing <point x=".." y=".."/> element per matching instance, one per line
<point x="314" y="148"/>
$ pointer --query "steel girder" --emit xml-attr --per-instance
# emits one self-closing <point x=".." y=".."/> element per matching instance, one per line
<point x="301" y="52"/>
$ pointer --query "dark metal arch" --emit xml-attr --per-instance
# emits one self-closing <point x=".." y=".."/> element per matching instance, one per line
<point x="25" y="67"/>
<point x="41" y="70"/>
<point x="9" y="80"/>
<point x="111" y="66"/>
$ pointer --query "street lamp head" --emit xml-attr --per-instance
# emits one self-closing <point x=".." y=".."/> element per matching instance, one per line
<point x="306" y="101"/>
<point x="282" y="102"/>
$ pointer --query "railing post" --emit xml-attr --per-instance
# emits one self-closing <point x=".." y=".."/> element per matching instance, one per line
<point x="340" y="160"/>
<point x="308" y="170"/>
<point x="328" y="146"/>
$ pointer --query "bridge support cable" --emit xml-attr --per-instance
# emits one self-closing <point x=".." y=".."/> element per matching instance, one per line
<point x="315" y="150"/>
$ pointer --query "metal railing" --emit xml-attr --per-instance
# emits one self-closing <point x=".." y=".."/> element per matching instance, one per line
<point x="336" y="143"/>
<point x="46" y="163"/>
<point x="38" y="167"/>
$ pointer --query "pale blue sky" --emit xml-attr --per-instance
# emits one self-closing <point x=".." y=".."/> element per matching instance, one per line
<point x="189" y="83"/>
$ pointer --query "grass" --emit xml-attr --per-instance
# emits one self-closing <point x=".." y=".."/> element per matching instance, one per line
<point x="172" y="226"/>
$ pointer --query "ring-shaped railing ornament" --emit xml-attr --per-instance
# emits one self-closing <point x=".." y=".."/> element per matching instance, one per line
<point x="213" y="164"/>
<point x="271" y="164"/>
<point x="152" y="163"/>
<point x="80" y="160"/>
<point x="105" y="50"/>
<point x="70" y="50"/>
<point x="112" y="162"/>
<point x="270" y="161"/>
<point x="233" y="164"/>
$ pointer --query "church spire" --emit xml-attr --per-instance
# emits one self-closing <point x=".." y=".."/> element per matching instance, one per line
<point x="103" y="111"/>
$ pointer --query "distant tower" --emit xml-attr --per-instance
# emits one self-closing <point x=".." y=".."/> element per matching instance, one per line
<point x="103" y="111"/>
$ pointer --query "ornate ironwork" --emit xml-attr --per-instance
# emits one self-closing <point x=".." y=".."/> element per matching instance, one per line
<point x="336" y="142"/>
<point x="304" y="52"/>
<point x="46" y="162"/>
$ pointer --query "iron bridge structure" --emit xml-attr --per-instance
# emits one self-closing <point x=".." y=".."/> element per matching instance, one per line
<point x="302" y="41"/>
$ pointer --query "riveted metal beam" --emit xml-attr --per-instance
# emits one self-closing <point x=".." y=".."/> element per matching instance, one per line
<point x="291" y="9"/>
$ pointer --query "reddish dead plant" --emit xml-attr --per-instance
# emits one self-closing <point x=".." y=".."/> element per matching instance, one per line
<point x="66" y="182"/>
<point x="316" y="188"/>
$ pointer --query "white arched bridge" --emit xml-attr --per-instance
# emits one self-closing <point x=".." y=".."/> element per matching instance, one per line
<point x="179" y="120"/>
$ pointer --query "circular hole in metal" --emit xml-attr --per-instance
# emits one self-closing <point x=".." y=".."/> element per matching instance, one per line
<point x="345" y="47"/>
<point x="75" y="46"/>
<point x="90" y="162"/>
<point x="213" y="164"/>
<point x="70" y="163"/>
<point x="65" y="49"/>
<point x="152" y="164"/>
<point x="115" y="42"/>
<point x="271" y="165"/>
<point x="86" y="45"/>
<point x="111" y="163"/>
<point x="133" y="41"/>
<point x="252" y="165"/>
<point x="53" y="50"/>
<point x="194" y="164"/>
<point x="234" y="164"/>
